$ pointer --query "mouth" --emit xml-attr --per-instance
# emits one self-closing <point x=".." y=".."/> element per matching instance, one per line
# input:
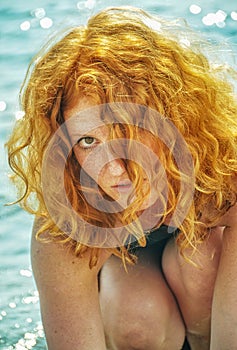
<point x="123" y="186"/>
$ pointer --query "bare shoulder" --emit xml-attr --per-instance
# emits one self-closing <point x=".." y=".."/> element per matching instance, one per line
<point x="53" y="259"/>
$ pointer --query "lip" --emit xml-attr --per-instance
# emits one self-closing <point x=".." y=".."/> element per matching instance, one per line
<point x="123" y="186"/>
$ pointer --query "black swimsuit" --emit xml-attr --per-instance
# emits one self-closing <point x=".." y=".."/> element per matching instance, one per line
<point x="159" y="236"/>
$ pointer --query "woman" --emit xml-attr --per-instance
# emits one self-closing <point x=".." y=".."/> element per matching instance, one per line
<point x="127" y="156"/>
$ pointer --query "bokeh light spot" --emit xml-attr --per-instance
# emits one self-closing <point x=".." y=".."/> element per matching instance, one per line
<point x="3" y="106"/>
<point x="46" y="23"/>
<point x="195" y="9"/>
<point x="39" y="12"/>
<point x="19" y="115"/>
<point x="90" y="4"/>
<point x="233" y="15"/>
<point x="25" y="25"/>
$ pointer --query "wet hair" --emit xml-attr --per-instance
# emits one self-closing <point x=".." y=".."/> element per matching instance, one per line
<point x="125" y="55"/>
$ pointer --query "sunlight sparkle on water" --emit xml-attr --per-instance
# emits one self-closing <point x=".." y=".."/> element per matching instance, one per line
<point x="28" y="342"/>
<point x="30" y="300"/>
<point x="234" y="15"/>
<point x="12" y="305"/>
<point x="195" y="9"/>
<point x="25" y="273"/>
<point x="19" y="115"/>
<point x="3" y="106"/>
<point x="25" y="25"/>
<point x="217" y="18"/>
<point x="89" y="4"/>
<point x="46" y="22"/>
<point x="39" y="12"/>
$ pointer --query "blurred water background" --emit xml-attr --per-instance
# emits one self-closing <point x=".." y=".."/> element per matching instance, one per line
<point x="24" y="26"/>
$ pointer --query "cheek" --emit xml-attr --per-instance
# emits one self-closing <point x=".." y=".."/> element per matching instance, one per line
<point x="89" y="165"/>
<point x="79" y="156"/>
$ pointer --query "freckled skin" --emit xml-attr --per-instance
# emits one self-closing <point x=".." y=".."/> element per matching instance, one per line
<point x="102" y="167"/>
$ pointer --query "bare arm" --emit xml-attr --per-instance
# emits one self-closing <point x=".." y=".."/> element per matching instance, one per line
<point x="224" y="309"/>
<point x="68" y="297"/>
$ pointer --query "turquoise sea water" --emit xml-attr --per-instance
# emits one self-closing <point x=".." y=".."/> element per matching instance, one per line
<point x="24" y="25"/>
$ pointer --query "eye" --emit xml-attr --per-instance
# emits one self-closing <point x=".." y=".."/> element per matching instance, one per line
<point x="87" y="142"/>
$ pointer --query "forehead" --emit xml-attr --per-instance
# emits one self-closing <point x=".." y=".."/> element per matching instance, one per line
<point x="81" y="105"/>
<point x="114" y="111"/>
<point x="83" y="117"/>
<point x="86" y="115"/>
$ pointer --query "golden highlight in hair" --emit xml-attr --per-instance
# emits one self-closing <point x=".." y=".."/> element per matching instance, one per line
<point x="125" y="55"/>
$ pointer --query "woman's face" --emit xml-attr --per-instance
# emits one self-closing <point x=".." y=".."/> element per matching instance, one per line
<point x="90" y="137"/>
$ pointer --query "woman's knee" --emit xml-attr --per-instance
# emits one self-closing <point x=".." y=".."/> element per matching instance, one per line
<point x="143" y="319"/>
<point x="148" y="328"/>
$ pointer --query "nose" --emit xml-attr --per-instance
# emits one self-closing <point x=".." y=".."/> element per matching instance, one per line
<point x="115" y="167"/>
